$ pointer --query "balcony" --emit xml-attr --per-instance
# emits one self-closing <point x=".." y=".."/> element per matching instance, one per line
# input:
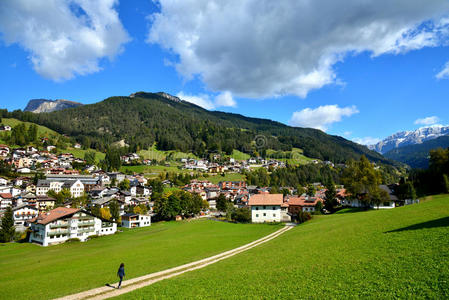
<point x="85" y="218"/>
<point x="86" y="223"/>
<point x="57" y="232"/>
<point x="86" y="230"/>
<point x="60" y="225"/>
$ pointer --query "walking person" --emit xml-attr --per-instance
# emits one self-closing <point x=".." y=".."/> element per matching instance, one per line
<point x="121" y="273"/>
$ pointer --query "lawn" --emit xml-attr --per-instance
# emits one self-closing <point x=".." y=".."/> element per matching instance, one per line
<point x="227" y="177"/>
<point x="41" y="130"/>
<point x="153" y="153"/>
<point x="79" y="153"/>
<point x="401" y="253"/>
<point x="294" y="157"/>
<point x="30" y="271"/>
<point x="154" y="171"/>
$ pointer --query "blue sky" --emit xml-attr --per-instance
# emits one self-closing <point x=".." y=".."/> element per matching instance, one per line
<point x="361" y="81"/>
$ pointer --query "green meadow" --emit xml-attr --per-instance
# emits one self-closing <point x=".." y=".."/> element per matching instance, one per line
<point x="401" y="253"/>
<point x="30" y="271"/>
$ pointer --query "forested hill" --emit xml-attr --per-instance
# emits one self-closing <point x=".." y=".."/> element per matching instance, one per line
<point x="417" y="156"/>
<point x="145" y="118"/>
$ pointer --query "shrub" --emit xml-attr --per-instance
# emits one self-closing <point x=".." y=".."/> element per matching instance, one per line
<point x="73" y="240"/>
<point x="303" y="216"/>
<point x="241" y="215"/>
<point x="93" y="237"/>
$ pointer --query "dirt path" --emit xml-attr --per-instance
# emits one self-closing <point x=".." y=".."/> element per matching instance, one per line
<point x="142" y="281"/>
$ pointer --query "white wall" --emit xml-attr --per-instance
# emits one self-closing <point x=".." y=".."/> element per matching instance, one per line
<point x="267" y="213"/>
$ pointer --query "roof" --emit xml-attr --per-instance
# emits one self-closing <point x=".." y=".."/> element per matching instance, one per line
<point x="6" y="195"/>
<point x="393" y="197"/>
<point x="54" y="214"/>
<point x="266" y="199"/>
<point x="304" y="201"/>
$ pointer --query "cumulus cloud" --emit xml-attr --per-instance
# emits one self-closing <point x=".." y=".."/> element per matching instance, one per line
<point x="208" y="102"/>
<point x="367" y="140"/>
<point x="265" y="48"/>
<point x="225" y="99"/>
<point x="65" y="38"/>
<point x="322" y="116"/>
<point x="427" y="121"/>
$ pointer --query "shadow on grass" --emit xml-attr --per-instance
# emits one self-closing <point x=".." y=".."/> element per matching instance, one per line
<point x="350" y="210"/>
<point x="442" y="222"/>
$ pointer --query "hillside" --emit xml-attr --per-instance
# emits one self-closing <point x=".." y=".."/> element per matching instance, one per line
<point x="417" y="156"/>
<point x="401" y="253"/>
<point x="146" y="118"/>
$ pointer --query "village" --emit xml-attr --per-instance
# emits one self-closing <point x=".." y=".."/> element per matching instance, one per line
<point x="92" y="194"/>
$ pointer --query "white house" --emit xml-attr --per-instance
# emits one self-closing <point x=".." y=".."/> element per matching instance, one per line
<point x="5" y="200"/>
<point x="22" y="214"/>
<point x="76" y="187"/>
<point x="61" y="224"/>
<point x="135" y="220"/>
<point x="268" y="208"/>
<point x="3" y="181"/>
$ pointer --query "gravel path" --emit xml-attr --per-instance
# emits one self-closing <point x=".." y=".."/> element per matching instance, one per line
<point x="142" y="281"/>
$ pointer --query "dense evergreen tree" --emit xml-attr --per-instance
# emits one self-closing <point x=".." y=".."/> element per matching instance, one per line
<point x="7" y="228"/>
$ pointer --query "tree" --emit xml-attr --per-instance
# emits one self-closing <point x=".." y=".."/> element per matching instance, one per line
<point x="331" y="201"/>
<point x="7" y="228"/>
<point x="124" y="185"/>
<point x="362" y="180"/>
<point x="311" y="190"/>
<point x="112" y="159"/>
<point x="89" y="157"/>
<point x="318" y="206"/>
<point x="105" y="213"/>
<point x="241" y="215"/>
<point x="114" y="210"/>
<point x="221" y="202"/>
<point x="379" y="196"/>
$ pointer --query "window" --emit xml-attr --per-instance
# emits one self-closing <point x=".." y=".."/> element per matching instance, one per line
<point x="274" y="207"/>
<point x="257" y="207"/>
<point x="264" y="214"/>
<point x="264" y="207"/>
<point x="386" y="203"/>
<point x="274" y="215"/>
<point x="257" y="215"/>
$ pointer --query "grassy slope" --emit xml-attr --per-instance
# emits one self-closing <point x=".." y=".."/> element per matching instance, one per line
<point x="228" y="177"/>
<point x="33" y="272"/>
<point x="153" y="153"/>
<point x="353" y="255"/>
<point x="42" y="130"/>
<point x="79" y="153"/>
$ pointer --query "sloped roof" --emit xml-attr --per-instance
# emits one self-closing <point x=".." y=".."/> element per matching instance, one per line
<point x="54" y="214"/>
<point x="6" y="195"/>
<point x="266" y="199"/>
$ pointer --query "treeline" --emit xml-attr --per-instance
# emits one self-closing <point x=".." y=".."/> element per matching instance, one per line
<point x="146" y="119"/>
<point x="435" y="179"/>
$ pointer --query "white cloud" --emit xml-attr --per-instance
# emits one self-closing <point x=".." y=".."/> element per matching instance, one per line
<point x="427" y="121"/>
<point x="322" y="116"/>
<point x="264" y="48"/>
<point x="207" y="102"/>
<point x="347" y="133"/>
<point x="65" y="38"/>
<point x="367" y="140"/>
<point x="202" y="100"/>
<point x="444" y="73"/>
<point x="225" y="99"/>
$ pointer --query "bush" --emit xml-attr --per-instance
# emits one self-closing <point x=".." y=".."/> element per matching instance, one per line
<point x="303" y="216"/>
<point x="73" y="240"/>
<point x="241" y="215"/>
<point x="93" y="237"/>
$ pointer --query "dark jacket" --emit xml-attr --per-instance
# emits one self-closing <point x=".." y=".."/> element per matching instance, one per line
<point x="121" y="272"/>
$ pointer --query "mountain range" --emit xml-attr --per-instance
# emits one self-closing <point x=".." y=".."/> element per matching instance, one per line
<point x="405" y="138"/>
<point x="144" y="119"/>
<point x="45" y="105"/>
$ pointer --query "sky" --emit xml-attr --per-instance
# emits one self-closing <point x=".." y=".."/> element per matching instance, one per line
<point x="359" y="70"/>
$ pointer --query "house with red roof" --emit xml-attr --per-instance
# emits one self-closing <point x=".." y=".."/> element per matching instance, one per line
<point x="5" y="200"/>
<point x="303" y="203"/>
<point x="62" y="223"/>
<point x="268" y="208"/>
